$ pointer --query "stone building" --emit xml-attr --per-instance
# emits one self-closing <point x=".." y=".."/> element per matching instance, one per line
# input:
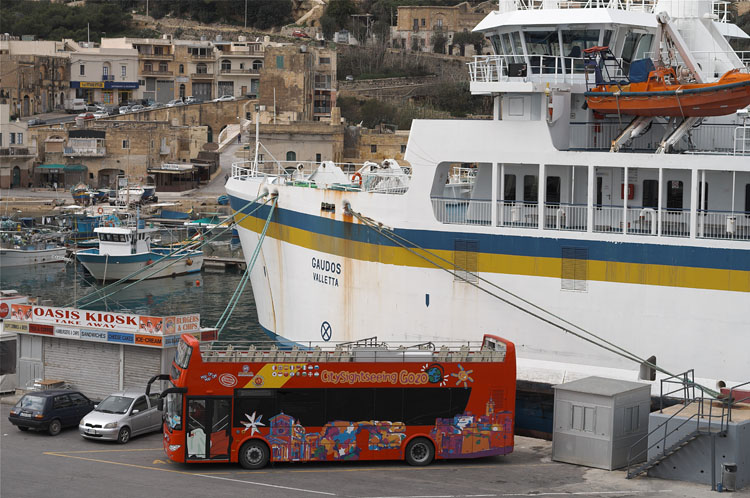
<point x="108" y="148"/>
<point x="17" y="151"/>
<point x="107" y="74"/>
<point x="299" y="81"/>
<point x="239" y="64"/>
<point x="293" y="142"/>
<point x="417" y="26"/>
<point x="34" y="76"/>
<point x="155" y="66"/>
<point x="196" y="69"/>
<point x="363" y="144"/>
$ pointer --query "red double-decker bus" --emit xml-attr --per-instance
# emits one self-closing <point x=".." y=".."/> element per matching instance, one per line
<point x="357" y="401"/>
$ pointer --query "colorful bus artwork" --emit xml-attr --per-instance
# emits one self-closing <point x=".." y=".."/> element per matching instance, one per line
<point x="355" y="401"/>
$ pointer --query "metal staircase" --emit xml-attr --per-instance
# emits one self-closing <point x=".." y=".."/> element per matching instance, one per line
<point x="703" y="423"/>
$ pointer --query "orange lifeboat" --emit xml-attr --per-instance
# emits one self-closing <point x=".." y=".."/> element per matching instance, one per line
<point x="661" y="93"/>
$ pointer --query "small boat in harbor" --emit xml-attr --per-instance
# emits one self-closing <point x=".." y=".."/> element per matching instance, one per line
<point x="660" y="91"/>
<point x="29" y="248"/>
<point x="124" y="250"/>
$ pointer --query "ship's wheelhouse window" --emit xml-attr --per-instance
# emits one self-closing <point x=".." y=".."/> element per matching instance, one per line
<point x="607" y="38"/>
<point x="543" y="47"/>
<point x="700" y="195"/>
<point x="517" y="45"/>
<point x="509" y="191"/>
<point x="575" y="41"/>
<point x="553" y="190"/>
<point x="650" y="193"/>
<point x="674" y="194"/>
<point x="530" y="188"/>
<point x="635" y="47"/>
<point x="496" y="45"/>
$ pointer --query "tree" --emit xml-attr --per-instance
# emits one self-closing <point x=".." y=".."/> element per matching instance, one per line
<point x="328" y="26"/>
<point x="340" y="11"/>
<point x="462" y="39"/>
<point x="478" y="40"/>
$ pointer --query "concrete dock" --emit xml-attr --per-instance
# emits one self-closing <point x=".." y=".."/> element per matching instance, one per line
<point x="35" y="464"/>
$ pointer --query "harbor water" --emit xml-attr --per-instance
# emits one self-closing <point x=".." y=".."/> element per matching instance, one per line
<point x="206" y="293"/>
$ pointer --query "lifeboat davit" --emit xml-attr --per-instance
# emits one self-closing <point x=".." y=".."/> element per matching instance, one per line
<point x="662" y="94"/>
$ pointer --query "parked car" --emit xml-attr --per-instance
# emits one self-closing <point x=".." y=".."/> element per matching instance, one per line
<point x="35" y="122"/>
<point x="224" y="98"/>
<point x="175" y="102"/>
<point x="85" y="115"/>
<point x="137" y="107"/>
<point x="193" y="100"/>
<point x="300" y="34"/>
<point x="101" y="114"/>
<point x="122" y="415"/>
<point x="50" y="410"/>
<point x="156" y="105"/>
<point x="124" y="109"/>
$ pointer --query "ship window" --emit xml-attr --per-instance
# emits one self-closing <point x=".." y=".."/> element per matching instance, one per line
<point x="650" y="193"/>
<point x="747" y="199"/>
<point x="607" y="38"/>
<point x="629" y="50"/>
<point x="543" y="48"/>
<point x="644" y="46"/>
<point x="465" y="260"/>
<point x="553" y="190"/>
<point x="575" y="42"/>
<point x="700" y="196"/>
<point x="674" y="194"/>
<point x="530" y="189"/>
<point x="517" y="46"/>
<point x="495" y="40"/>
<point x="507" y="45"/>
<point x="509" y="193"/>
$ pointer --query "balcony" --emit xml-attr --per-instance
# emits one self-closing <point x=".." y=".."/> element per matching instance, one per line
<point x="156" y="73"/>
<point x="85" y="151"/>
<point x="202" y="57"/>
<point x="108" y="77"/>
<point x="240" y="71"/>
<point x="202" y="76"/>
<point x="156" y="57"/>
<point x="18" y="151"/>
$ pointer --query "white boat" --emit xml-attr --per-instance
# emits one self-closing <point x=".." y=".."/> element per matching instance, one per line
<point x="27" y="249"/>
<point x="642" y="235"/>
<point x="125" y="250"/>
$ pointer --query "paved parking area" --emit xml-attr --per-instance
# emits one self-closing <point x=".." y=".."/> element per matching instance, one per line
<point x="33" y="464"/>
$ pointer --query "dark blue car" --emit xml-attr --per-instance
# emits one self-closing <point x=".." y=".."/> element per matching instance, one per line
<point x="50" y="410"/>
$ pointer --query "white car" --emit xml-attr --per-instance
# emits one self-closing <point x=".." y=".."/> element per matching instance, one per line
<point x="176" y="102"/>
<point x="225" y="98"/>
<point x="101" y="114"/>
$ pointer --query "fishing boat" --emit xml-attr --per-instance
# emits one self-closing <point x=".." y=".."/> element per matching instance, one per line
<point x="31" y="248"/>
<point x="125" y="250"/>
<point x="616" y="246"/>
<point x="651" y="91"/>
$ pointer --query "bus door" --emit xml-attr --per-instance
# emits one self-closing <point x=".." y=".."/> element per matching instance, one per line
<point x="208" y="428"/>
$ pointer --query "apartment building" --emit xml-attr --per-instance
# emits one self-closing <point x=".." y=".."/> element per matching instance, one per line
<point x="106" y="74"/>
<point x="196" y="69"/>
<point x="17" y="151"/>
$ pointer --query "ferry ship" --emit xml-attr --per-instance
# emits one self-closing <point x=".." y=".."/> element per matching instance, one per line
<point x="591" y="241"/>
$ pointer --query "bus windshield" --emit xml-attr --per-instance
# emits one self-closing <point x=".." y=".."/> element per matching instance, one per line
<point x="182" y="357"/>
<point x="173" y="411"/>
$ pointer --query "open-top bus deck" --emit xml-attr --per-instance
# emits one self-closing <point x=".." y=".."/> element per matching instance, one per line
<point x="360" y="400"/>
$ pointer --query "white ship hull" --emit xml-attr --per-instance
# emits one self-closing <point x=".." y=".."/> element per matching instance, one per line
<point x="21" y="257"/>
<point x="111" y="268"/>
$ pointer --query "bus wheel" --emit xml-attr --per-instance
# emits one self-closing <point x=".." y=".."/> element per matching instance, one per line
<point x="420" y="451"/>
<point x="254" y="455"/>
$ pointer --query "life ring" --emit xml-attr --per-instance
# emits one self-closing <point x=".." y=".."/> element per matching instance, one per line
<point x="100" y="210"/>
<point x="189" y="262"/>
<point x="357" y="178"/>
<point x="149" y="262"/>
<point x="109" y="224"/>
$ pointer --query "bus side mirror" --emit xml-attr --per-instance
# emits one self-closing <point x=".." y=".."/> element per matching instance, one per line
<point x="160" y="404"/>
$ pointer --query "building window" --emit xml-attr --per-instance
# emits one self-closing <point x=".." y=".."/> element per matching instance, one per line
<point x="423" y="23"/>
<point x="674" y="194"/>
<point x="257" y="64"/>
<point x="182" y="91"/>
<point x="12" y="138"/>
<point x="124" y="71"/>
<point x="201" y="68"/>
<point x="82" y="70"/>
<point x="440" y="23"/>
<point x="105" y="71"/>
<point x="20" y="138"/>
<point x="583" y="418"/>
<point x="182" y="68"/>
<point x="700" y="196"/>
<point x="631" y="421"/>
<point x="279" y="62"/>
<point x="530" y="188"/>
<point x="126" y="144"/>
<point x="403" y="149"/>
<point x="509" y="191"/>
<point x="325" y="60"/>
<point x="148" y="67"/>
<point x="226" y="65"/>
<point x="416" y="24"/>
<point x="291" y="156"/>
<point x="1" y="139"/>
<point x="163" y="68"/>
<point x="318" y="158"/>
<point x="650" y="193"/>
<point x="373" y="148"/>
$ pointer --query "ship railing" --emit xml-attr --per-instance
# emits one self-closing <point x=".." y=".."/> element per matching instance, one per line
<point x="460" y="211"/>
<point x="742" y="138"/>
<point x="518" y="214"/>
<point x="319" y="351"/>
<point x="634" y="5"/>
<point x="562" y="216"/>
<point x="385" y="182"/>
<point x="730" y="225"/>
<point x="534" y="67"/>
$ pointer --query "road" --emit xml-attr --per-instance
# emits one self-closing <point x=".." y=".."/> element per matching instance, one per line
<point x="34" y="464"/>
